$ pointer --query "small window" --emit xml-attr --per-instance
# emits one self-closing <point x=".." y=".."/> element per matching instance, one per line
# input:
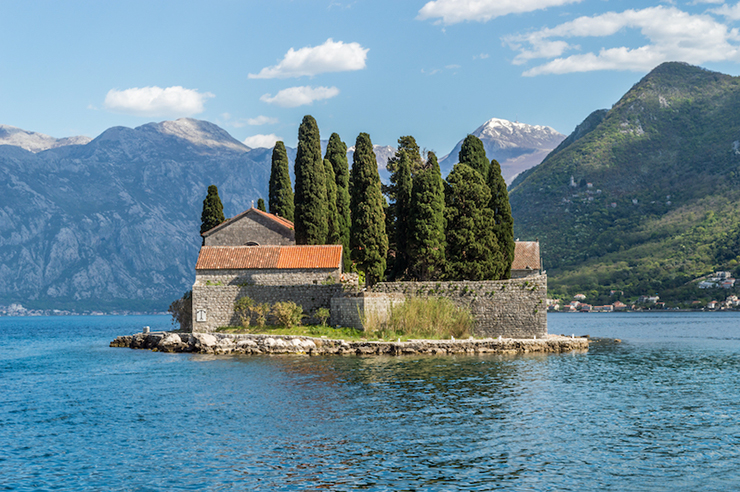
<point x="252" y="243"/>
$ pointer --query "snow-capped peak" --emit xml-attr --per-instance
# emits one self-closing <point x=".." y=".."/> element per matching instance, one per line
<point x="502" y="130"/>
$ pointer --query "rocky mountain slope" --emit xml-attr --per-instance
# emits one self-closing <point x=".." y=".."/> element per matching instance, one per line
<point x="114" y="223"/>
<point x="516" y="146"/>
<point x="35" y="142"/>
<point x="641" y="198"/>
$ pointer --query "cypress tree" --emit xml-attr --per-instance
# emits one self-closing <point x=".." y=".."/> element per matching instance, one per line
<point x="333" y="235"/>
<point x="427" y="222"/>
<point x="213" y="210"/>
<point x="368" y="239"/>
<point x="310" y="187"/>
<point x="281" y="191"/>
<point x="336" y="152"/>
<point x="472" y="250"/>
<point x="400" y="210"/>
<point x="261" y="205"/>
<point x="473" y="154"/>
<point x="503" y="221"/>
<point x="403" y="166"/>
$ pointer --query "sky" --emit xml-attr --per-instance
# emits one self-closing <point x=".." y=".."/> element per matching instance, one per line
<point x="432" y="69"/>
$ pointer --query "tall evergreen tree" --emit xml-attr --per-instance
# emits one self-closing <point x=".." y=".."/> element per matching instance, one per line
<point x="400" y="210"/>
<point x="213" y="210"/>
<point x="368" y="240"/>
<point x="336" y="152"/>
<point x="473" y="154"/>
<point x="333" y="232"/>
<point x="403" y="166"/>
<point x="407" y="144"/>
<point x="504" y="222"/>
<point x="427" y="223"/>
<point x="281" y="191"/>
<point x="261" y="205"/>
<point x="472" y="250"/>
<point x="310" y="187"/>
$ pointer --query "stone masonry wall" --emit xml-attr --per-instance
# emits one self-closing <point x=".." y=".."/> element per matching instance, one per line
<point x="216" y="302"/>
<point x="267" y="276"/>
<point x="251" y="229"/>
<point x="349" y="311"/>
<point x="513" y="308"/>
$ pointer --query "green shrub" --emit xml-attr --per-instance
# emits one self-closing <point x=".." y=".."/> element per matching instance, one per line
<point x="287" y="313"/>
<point x="182" y="311"/>
<point x="243" y="309"/>
<point x="259" y="313"/>
<point x="322" y="314"/>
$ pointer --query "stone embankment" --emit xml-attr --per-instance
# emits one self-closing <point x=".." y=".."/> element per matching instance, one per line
<point x="220" y="343"/>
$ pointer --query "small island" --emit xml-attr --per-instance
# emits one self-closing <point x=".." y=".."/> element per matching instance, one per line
<point x="451" y="244"/>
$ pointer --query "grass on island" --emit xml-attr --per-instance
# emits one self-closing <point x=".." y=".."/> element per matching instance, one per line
<point x="416" y="318"/>
<point x="316" y="331"/>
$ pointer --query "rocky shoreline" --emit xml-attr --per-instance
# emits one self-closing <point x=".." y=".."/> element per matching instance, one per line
<point x="222" y="343"/>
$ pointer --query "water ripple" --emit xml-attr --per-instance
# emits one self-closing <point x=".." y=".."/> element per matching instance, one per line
<point x="657" y="412"/>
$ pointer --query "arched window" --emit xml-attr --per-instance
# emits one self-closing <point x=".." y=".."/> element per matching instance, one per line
<point x="252" y="243"/>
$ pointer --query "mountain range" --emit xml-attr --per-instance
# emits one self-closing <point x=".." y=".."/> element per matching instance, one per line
<point x="642" y="198"/>
<point x="112" y="222"/>
<point x="516" y="146"/>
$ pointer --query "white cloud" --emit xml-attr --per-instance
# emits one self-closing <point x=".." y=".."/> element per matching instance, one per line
<point x="454" y="11"/>
<point x="732" y="13"/>
<point x="300" y="96"/>
<point x="671" y="33"/>
<point x="452" y="67"/>
<point x="155" y="101"/>
<point x="482" y="56"/>
<point x="266" y="141"/>
<point x="329" y="57"/>
<point x="262" y="120"/>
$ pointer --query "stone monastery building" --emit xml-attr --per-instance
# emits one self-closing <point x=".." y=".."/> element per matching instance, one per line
<point x="254" y="254"/>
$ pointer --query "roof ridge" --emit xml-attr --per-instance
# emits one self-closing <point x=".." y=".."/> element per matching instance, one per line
<point x="275" y="218"/>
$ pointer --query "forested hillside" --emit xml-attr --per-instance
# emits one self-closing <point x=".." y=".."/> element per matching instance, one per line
<point x="644" y="197"/>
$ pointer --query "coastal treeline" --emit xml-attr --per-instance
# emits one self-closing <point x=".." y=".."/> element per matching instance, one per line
<point x="418" y="227"/>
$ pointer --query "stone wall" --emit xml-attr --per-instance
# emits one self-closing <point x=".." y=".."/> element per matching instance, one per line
<point x="349" y="311"/>
<point x="513" y="308"/>
<point x="213" y="305"/>
<point x="252" y="229"/>
<point x="267" y="276"/>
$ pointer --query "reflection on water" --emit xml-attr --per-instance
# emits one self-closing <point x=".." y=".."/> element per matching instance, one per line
<point x="656" y="412"/>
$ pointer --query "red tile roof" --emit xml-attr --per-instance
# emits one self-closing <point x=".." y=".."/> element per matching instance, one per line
<point x="526" y="256"/>
<point x="273" y="257"/>
<point x="275" y="218"/>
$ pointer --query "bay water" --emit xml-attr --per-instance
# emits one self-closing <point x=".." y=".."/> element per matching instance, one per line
<point x="659" y="411"/>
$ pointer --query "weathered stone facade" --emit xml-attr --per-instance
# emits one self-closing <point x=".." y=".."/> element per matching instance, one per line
<point x="213" y="305"/>
<point x="251" y="228"/>
<point x="513" y="308"/>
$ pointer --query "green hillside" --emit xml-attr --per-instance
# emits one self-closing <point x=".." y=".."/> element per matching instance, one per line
<point x="654" y="198"/>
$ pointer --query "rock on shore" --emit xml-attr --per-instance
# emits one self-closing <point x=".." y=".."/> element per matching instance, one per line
<point x="222" y="343"/>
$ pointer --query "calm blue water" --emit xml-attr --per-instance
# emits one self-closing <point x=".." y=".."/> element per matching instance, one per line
<point x="658" y="412"/>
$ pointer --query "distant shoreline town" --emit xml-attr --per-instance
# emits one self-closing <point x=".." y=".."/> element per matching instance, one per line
<point x="16" y="309"/>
